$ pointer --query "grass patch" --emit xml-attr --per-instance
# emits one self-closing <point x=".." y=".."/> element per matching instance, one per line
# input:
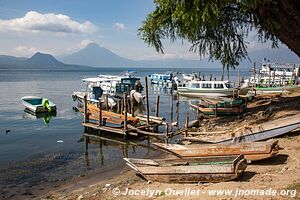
<point x="294" y="186"/>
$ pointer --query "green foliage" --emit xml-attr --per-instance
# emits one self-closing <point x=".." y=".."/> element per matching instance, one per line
<point x="216" y="28"/>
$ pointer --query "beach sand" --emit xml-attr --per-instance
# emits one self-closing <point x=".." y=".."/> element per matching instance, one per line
<point x="280" y="174"/>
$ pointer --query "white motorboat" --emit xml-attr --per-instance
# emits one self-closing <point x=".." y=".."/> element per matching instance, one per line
<point x="207" y="88"/>
<point x="38" y="104"/>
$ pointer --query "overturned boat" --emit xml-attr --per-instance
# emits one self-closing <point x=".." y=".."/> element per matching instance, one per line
<point x="190" y="170"/>
<point x="252" y="151"/>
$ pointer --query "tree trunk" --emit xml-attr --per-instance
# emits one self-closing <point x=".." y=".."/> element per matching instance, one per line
<point x="286" y="16"/>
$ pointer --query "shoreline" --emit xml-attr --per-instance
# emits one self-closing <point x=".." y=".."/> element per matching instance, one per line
<point x="281" y="172"/>
<point x="278" y="173"/>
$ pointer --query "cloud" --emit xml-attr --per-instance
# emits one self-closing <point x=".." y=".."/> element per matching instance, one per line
<point x="36" y="22"/>
<point x="171" y="55"/>
<point x="82" y="44"/>
<point x="119" y="26"/>
<point x="24" y="51"/>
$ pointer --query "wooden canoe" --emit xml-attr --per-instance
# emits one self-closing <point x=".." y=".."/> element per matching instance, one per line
<point x="252" y="151"/>
<point x="227" y="111"/>
<point x="189" y="170"/>
<point x="266" y="130"/>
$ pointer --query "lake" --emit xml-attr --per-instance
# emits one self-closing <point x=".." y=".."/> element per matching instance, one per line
<point x="36" y="156"/>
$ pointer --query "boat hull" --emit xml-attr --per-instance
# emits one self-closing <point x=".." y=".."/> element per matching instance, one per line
<point x="185" y="91"/>
<point x="274" y="89"/>
<point x="263" y="131"/>
<point x="34" y="104"/>
<point x="228" y="111"/>
<point x="190" y="170"/>
<point x="252" y="151"/>
<point x="78" y="97"/>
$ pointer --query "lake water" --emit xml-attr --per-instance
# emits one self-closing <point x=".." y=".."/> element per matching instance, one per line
<point x="32" y="160"/>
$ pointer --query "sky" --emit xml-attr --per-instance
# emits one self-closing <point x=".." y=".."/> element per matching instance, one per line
<point x="62" y="27"/>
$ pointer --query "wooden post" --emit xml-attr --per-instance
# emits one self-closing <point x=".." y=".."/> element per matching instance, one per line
<point x="233" y="92"/>
<point x="128" y="105"/>
<point x="167" y="133"/>
<point x="106" y="102"/>
<point x="122" y="107"/>
<point x="198" y="112"/>
<point x="85" y="110"/>
<point x="186" y="124"/>
<point x="216" y="110"/>
<point x="172" y="112"/>
<point x="86" y="143"/>
<point x="269" y="75"/>
<point x="177" y="111"/>
<point x="125" y="111"/>
<point x="119" y="106"/>
<point x="157" y="106"/>
<point x="147" y="99"/>
<point x="100" y="111"/>
<point x="132" y="106"/>
<point x="101" y="152"/>
<point x="239" y="80"/>
<point x="254" y="72"/>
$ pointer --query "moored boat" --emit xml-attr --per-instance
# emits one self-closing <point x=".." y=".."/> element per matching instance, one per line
<point x="274" y="89"/>
<point x="274" y="77"/>
<point x="207" y="88"/>
<point x="220" y="111"/>
<point x="38" y="104"/>
<point x="189" y="170"/>
<point x="252" y="151"/>
<point x="188" y="77"/>
<point x="259" y="132"/>
<point x="112" y="86"/>
<point x="108" y="118"/>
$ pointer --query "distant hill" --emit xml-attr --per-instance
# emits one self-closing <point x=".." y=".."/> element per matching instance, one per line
<point x="96" y="56"/>
<point x="37" y="61"/>
<point x="43" y="60"/>
<point x="279" y="55"/>
<point x="10" y="60"/>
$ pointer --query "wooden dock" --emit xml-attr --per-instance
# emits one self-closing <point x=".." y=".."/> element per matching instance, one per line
<point x="127" y="123"/>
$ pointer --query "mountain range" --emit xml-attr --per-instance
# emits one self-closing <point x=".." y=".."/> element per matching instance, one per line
<point x="94" y="55"/>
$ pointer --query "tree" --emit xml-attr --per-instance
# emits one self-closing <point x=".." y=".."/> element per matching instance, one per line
<point x="218" y="28"/>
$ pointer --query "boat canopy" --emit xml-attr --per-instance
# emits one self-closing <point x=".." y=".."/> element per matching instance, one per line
<point x="100" y="79"/>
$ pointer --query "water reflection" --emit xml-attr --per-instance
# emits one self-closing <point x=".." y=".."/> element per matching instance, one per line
<point x="46" y="116"/>
<point x="108" y="143"/>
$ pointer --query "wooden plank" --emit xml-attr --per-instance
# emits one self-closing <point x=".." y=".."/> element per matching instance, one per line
<point x="103" y="128"/>
<point x="143" y="132"/>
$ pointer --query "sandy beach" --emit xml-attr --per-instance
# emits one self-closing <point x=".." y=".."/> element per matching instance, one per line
<point x="274" y="178"/>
